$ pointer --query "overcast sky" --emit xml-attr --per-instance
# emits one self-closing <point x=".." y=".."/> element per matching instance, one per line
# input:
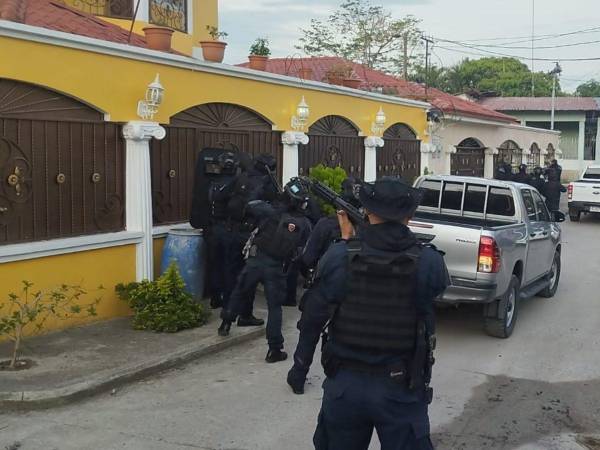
<point x="459" y="20"/>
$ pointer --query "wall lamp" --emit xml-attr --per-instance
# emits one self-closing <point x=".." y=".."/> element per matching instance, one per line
<point x="154" y="97"/>
<point x="378" y="126"/>
<point x="301" y="118"/>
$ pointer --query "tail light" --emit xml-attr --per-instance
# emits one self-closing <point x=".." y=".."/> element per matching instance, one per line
<point x="570" y="192"/>
<point x="489" y="255"/>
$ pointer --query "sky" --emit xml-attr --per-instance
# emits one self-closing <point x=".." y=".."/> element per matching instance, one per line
<point x="456" y="20"/>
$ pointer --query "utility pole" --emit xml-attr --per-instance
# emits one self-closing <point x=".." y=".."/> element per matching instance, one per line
<point x="405" y="65"/>
<point x="555" y="73"/>
<point x="427" y="42"/>
<point x="532" y="48"/>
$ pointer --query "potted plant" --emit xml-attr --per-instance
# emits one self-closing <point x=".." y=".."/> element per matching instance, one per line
<point x="158" y="38"/>
<point x="259" y="54"/>
<point x="352" y="81"/>
<point x="214" y="50"/>
<point x="337" y="73"/>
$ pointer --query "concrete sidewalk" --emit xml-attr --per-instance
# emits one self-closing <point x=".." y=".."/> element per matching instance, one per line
<point x="82" y="361"/>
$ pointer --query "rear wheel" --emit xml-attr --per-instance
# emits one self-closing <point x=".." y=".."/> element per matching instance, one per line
<point x="574" y="215"/>
<point x="501" y="316"/>
<point x="554" y="275"/>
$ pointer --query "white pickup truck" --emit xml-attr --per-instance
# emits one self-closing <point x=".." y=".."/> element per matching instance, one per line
<point x="584" y="194"/>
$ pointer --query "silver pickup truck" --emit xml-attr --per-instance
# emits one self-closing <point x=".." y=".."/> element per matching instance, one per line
<point x="502" y="245"/>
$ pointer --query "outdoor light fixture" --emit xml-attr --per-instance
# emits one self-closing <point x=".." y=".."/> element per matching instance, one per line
<point x="154" y="97"/>
<point x="379" y="125"/>
<point x="301" y="117"/>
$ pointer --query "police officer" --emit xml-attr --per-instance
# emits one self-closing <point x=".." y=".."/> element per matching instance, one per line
<point x="553" y="187"/>
<point x="315" y="311"/>
<point x="274" y="244"/>
<point x="379" y="353"/>
<point x="537" y="180"/>
<point x="503" y="171"/>
<point x="522" y="176"/>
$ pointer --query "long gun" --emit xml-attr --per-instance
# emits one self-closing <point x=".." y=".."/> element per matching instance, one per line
<point x="276" y="184"/>
<point x="328" y="195"/>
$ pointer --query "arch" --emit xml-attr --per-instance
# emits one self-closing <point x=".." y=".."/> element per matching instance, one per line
<point x="469" y="159"/>
<point x="533" y="159"/>
<point x="550" y="154"/>
<point x="471" y="142"/>
<point x="222" y="116"/>
<point x="21" y="100"/>
<point x="400" y="131"/>
<point x="509" y="152"/>
<point x="509" y="145"/>
<point x="333" y="126"/>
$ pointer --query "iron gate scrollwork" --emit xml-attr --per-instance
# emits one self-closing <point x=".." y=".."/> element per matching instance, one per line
<point x="511" y="153"/>
<point x="401" y="154"/>
<point x="469" y="159"/>
<point x="169" y="13"/>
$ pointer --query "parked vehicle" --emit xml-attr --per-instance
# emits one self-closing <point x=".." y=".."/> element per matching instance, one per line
<point x="502" y="244"/>
<point x="584" y="194"/>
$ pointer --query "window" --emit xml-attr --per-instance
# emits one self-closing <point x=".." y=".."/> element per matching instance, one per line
<point x="121" y="9"/>
<point x="543" y="214"/>
<point x="452" y="196"/>
<point x="431" y="198"/>
<point x="529" y="205"/>
<point x="593" y="173"/>
<point x="475" y="198"/>
<point x="500" y="202"/>
<point x="169" y="13"/>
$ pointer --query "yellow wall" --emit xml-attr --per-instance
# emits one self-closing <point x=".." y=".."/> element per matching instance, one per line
<point x="115" y="84"/>
<point x="90" y="269"/>
<point x="157" y="249"/>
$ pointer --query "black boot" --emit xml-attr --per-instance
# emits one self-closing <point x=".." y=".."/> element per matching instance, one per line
<point x="224" y="328"/>
<point x="295" y="383"/>
<point x="249" y="321"/>
<point x="275" y="355"/>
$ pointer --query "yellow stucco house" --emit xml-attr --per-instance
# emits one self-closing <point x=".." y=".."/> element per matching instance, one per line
<point x="88" y="188"/>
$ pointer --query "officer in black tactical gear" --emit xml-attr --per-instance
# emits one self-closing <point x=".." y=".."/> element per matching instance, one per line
<point x="522" y="176"/>
<point x="537" y="180"/>
<point x="503" y="171"/>
<point x="315" y="312"/>
<point x="215" y="175"/>
<point x="553" y="187"/>
<point x="276" y="240"/>
<point x="379" y="349"/>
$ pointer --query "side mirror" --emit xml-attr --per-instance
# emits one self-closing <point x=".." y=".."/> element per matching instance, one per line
<point x="559" y="216"/>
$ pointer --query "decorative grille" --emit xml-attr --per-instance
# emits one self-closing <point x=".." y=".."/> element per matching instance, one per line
<point x="122" y="9"/>
<point x="169" y="13"/>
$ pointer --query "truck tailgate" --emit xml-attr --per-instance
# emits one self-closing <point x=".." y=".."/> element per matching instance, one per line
<point x="586" y="191"/>
<point x="460" y="243"/>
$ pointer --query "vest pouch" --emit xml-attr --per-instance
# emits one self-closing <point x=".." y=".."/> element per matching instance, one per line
<point x="331" y="363"/>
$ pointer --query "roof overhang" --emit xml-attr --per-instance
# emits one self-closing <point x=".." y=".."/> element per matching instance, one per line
<point x="497" y="123"/>
<point x="61" y="39"/>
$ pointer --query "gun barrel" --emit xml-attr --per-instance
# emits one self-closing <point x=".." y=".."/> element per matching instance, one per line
<point x="330" y="196"/>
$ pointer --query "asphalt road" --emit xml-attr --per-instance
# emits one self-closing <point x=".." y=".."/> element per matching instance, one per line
<point x="540" y="389"/>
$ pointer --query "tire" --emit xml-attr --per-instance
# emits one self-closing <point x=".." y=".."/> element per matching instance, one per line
<point x="550" y="290"/>
<point x="500" y="316"/>
<point x="574" y="216"/>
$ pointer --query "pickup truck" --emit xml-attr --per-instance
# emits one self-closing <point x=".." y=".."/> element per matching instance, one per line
<point x="584" y="194"/>
<point x="501" y="243"/>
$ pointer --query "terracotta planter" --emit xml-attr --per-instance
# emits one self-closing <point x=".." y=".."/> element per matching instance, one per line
<point x="335" y="80"/>
<point x="158" y="38"/>
<point x="258" y="62"/>
<point x="213" y="50"/>
<point x="306" y="73"/>
<point x="353" y="83"/>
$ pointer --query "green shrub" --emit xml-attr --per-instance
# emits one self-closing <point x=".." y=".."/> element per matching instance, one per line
<point x="260" y="47"/>
<point x="332" y="177"/>
<point x="163" y="305"/>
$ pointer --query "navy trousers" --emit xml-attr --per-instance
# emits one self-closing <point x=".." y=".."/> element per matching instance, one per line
<point x="355" y="404"/>
<point x="268" y="271"/>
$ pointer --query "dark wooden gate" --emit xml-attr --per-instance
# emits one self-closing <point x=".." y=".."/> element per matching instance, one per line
<point x="509" y="152"/>
<point x="62" y="169"/>
<point x="401" y="154"/>
<point x="173" y="159"/>
<point x="334" y="141"/>
<point x="469" y="159"/>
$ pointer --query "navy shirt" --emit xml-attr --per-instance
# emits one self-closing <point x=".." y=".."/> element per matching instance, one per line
<point x="432" y="277"/>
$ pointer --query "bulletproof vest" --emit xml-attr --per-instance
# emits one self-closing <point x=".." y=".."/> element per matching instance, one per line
<point x="217" y="199"/>
<point x="247" y="188"/>
<point x="379" y="312"/>
<point x="275" y="238"/>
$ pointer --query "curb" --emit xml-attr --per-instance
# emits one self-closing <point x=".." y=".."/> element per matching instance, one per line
<point x="31" y="400"/>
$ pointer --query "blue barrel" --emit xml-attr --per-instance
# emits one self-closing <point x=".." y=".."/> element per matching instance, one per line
<point x="187" y="248"/>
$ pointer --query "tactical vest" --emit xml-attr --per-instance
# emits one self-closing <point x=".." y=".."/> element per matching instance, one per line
<point x="217" y="201"/>
<point x="379" y="312"/>
<point x="276" y="240"/>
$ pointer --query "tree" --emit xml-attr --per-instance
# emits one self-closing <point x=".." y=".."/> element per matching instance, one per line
<point x="588" y="89"/>
<point x="437" y="77"/>
<point x="366" y="34"/>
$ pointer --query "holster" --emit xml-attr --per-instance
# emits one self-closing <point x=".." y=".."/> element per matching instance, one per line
<point x="331" y="364"/>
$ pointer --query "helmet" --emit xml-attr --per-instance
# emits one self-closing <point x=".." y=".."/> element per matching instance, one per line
<point x="296" y="192"/>
<point x="228" y="162"/>
<point x="264" y="161"/>
<point x="350" y="189"/>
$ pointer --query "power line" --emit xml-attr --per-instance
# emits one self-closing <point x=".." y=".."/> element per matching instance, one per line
<point x="546" y="47"/>
<point x="540" y="37"/>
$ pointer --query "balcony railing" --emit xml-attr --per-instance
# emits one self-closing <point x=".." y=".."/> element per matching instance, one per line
<point x="169" y="13"/>
<point x="120" y="9"/>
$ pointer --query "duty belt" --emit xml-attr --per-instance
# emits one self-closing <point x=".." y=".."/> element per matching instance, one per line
<point x="397" y="371"/>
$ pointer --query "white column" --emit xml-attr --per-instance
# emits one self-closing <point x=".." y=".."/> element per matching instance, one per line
<point x="581" y="143"/>
<point x="488" y="168"/>
<point x="138" y="190"/>
<point x="143" y="14"/>
<point x="427" y="151"/>
<point x="371" y="144"/>
<point x="447" y="159"/>
<point x="290" y="141"/>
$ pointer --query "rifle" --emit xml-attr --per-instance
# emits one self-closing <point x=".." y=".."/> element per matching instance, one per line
<point x="276" y="184"/>
<point x="328" y="195"/>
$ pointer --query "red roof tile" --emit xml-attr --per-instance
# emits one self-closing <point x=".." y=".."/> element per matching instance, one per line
<point x="540" y="103"/>
<point x="56" y="16"/>
<point x="371" y="79"/>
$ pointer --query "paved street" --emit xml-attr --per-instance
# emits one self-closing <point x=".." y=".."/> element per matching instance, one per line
<point x="538" y="390"/>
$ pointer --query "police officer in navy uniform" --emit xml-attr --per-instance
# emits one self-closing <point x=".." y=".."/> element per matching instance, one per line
<point x="378" y="353"/>
<point x="553" y="188"/>
<point x="280" y="232"/>
<point x="522" y="176"/>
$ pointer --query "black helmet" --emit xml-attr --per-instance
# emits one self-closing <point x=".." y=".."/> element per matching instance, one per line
<point x="350" y="190"/>
<point x="296" y="192"/>
<point x="228" y="162"/>
<point x="264" y="161"/>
